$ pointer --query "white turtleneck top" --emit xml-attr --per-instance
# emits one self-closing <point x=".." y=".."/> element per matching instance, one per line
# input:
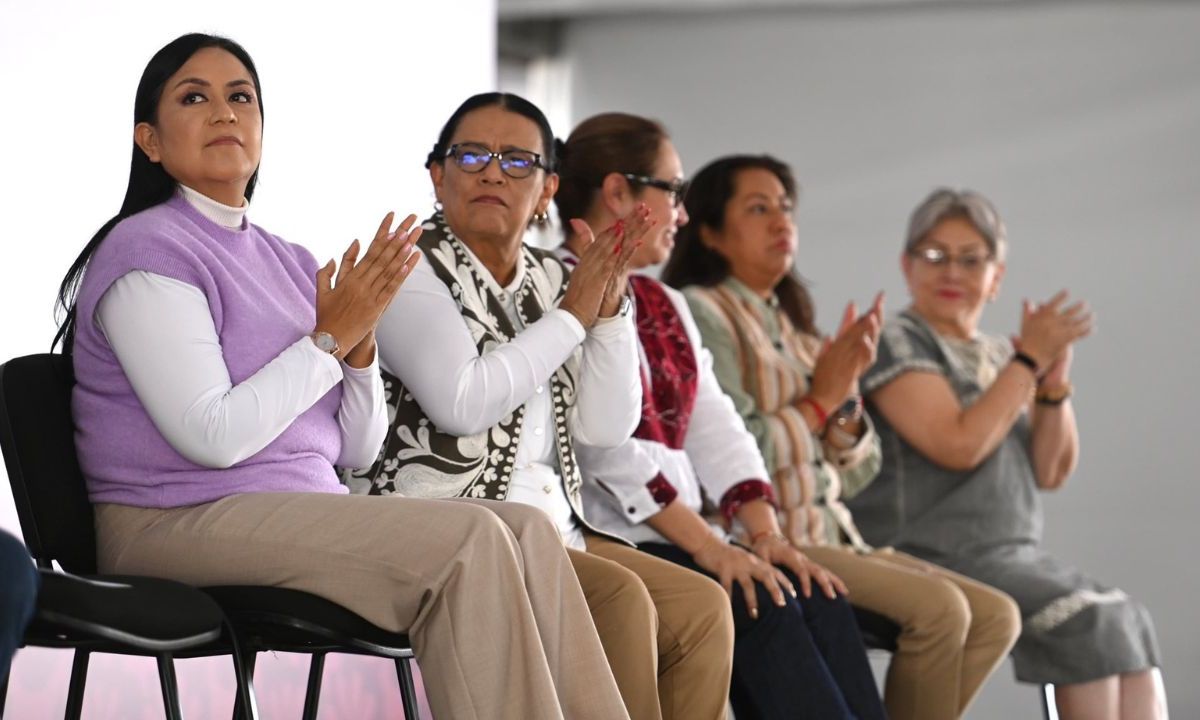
<point x="162" y="332"/>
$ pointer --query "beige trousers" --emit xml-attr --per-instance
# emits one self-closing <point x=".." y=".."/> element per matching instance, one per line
<point x="954" y="631"/>
<point x="667" y="631"/>
<point x="484" y="589"/>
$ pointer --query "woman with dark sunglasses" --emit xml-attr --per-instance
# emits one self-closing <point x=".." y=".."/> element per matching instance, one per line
<point x="515" y="369"/>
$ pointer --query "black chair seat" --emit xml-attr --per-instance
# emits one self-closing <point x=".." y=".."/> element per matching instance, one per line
<point x="878" y="632"/>
<point x="152" y="614"/>
<point x="288" y="620"/>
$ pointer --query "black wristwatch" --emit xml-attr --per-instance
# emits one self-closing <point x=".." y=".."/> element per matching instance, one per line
<point x="851" y="410"/>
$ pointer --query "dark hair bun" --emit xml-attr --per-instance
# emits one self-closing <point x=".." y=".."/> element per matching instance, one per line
<point x="435" y="155"/>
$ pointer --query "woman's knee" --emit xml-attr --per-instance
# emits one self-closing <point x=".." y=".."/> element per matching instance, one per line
<point x="622" y="598"/>
<point x="709" y="605"/>
<point x="995" y="614"/>
<point x="942" y="611"/>
<point x="527" y="523"/>
<point x="469" y="526"/>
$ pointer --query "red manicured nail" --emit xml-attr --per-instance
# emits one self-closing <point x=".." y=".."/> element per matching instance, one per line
<point x="617" y="249"/>
<point x="619" y="228"/>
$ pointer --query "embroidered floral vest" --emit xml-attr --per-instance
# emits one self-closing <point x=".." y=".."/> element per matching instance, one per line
<point x="417" y="459"/>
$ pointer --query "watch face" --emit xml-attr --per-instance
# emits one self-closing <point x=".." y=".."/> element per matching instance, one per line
<point x="851" y="409"/>
<point x="325" y="342"/>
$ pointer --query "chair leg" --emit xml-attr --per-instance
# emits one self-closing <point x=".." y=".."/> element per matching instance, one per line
<point x="316" y="669"/>
<point x="408" y="691"/>
<point x="79" y="671"/>
<point x="245" y="705"/>
<point x="170" y="687"/>
<point x="1049" y="705"/>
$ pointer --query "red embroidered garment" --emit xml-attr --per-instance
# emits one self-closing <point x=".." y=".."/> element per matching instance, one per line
<point x="669" y="388"/>
<point x="669" y="391"/>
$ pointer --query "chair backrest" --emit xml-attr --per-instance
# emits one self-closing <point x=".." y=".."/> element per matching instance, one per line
<point x="37" y="437"/>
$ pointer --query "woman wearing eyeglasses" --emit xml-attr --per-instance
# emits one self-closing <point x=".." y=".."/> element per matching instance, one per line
<point x="973" y="427"/>
<point x="798" y="397"/>
<point x="516" y="368"/>
<point x="798" y="652"/>
<point x="220" y="375"/>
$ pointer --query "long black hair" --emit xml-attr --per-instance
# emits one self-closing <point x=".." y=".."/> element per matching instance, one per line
<point x="694" y="263"/>
<point x="149" y="183"/>
<point x="507" y="101"/>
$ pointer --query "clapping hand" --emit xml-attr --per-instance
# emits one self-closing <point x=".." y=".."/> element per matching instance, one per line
<point x="350" y="305"/>
<point x="598" y="281"/>
<point x="847" y="355"/>
<point x="1050" y="329"/>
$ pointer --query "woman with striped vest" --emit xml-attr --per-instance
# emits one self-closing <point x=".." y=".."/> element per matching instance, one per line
<point x="798" y="396"/>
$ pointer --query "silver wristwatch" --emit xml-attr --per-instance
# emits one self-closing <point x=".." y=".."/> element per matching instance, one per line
<point x="625" y="306"/>
<point x="325" y="342"/>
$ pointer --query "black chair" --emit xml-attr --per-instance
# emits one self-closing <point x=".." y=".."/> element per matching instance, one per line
<point x="262" y="618"/>
<point x="87" y="612"/>
<point x="880" y="633"/>
<point x="284" y="620"/>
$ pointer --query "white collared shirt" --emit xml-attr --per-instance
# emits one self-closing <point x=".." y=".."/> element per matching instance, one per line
<point x="465" y="393"/>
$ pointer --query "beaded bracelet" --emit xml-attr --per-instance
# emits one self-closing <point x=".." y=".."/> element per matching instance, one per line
<point x="1053" y="397"/>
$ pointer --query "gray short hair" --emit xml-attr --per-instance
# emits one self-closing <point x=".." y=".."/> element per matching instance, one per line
<point x="945" y="203"/>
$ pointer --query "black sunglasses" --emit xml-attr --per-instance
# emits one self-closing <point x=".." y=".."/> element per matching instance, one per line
<point x="675" y="188"/>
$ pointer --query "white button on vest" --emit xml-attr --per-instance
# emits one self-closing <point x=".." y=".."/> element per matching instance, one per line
<point x="539" y="389"/>
<point x="547" y="489"/>
<point x="537" y="431"/>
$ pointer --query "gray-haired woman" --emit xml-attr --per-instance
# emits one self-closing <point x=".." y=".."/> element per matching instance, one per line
<point x="973" y="426"/>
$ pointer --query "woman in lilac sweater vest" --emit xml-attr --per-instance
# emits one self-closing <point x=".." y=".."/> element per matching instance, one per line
<point x="225" y="473"/>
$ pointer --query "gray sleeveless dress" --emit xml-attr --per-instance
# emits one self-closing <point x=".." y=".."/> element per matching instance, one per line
<point x="986" y="523"/>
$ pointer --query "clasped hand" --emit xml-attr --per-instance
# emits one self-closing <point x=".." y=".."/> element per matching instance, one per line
<point x="733" y="564"/>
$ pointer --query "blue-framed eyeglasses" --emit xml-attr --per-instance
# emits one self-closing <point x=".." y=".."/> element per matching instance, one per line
<point x="515" y="163"/>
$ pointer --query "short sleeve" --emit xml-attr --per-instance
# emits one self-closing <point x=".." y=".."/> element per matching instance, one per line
<point x="905" y="345"/>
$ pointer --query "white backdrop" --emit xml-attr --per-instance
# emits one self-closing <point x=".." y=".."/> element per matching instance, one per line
<point x="1080" y="119"/>
<point x="354" y="93"/>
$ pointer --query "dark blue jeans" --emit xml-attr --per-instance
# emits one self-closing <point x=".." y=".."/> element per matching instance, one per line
<point x="803" y="660"/>
<point x="18" y="591"/>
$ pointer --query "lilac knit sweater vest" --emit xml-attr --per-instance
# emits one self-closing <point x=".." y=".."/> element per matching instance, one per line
<point x="261" y="291"/>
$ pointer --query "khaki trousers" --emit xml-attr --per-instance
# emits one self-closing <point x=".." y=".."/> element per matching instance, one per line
<point x="484" y="589"/>
<point x="954" y="631"/>
<point x="667" y="631"/>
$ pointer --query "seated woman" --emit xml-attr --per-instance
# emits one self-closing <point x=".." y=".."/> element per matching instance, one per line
<point x="974" y="427"/>
<point x="514" y="369"/>
<point x="798" y="397"/>
<point x="220" y="376"/>
<point x="18" y="592"/>
<point x="795" y="655"/>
